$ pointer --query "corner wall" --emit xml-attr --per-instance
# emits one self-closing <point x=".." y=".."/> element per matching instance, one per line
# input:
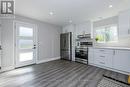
<point x="48" y="41"/>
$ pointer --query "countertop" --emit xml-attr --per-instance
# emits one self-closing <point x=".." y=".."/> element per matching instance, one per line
<point x="118" y="48"/>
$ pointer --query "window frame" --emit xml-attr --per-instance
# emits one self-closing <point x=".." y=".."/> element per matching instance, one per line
<point x="105" y="27"/>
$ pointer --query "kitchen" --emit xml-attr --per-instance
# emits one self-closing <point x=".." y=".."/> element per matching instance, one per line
<point x="65" y="43"/>
<point x="112" y="53"/>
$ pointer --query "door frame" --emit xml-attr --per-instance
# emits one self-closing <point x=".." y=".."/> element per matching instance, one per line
<point x="14" y="41"/>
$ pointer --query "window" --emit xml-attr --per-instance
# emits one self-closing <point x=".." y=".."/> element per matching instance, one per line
<point x="25" y="31"/>
<point x="106" y="34"/>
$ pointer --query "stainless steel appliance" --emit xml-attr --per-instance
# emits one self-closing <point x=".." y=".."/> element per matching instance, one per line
<point x="86" y="36"/>
<point x="81" y="52"/>
<point x="66" y="46"/>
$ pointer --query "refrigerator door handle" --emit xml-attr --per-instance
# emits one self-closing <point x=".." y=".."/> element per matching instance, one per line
<point x="64" y="43"/>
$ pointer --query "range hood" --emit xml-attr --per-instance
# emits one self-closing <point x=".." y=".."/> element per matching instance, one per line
<point x="87" y="36"/>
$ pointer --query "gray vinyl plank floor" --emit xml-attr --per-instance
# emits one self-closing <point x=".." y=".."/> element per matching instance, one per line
<point x="59" y="73"/>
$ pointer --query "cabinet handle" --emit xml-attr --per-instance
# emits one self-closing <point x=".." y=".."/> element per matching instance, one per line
<point x="102" y="56"/>
<point x="114" y="52"/>
<point x="101" y="50"/>
<point x="101" y="62"/>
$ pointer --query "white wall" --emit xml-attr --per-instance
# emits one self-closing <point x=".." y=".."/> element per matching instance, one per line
<point x="108" y="21"/>
<point x="122" y="42"/>
<point x="48" y="38"/>
<point x="7" y="43"/>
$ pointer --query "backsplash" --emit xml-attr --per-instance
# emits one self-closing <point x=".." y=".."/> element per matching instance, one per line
<point x="122" y="42"/>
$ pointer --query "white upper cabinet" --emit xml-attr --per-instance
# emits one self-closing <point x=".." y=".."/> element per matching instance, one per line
<point x="84" y="28"/>
<point x="124" y="23"/>
<point x="79" y="29"/>
<point x="0" y="45"/>
<point x="68" y="28"/>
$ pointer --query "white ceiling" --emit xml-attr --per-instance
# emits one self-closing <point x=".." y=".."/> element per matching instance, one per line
<point x="65" y="10"/>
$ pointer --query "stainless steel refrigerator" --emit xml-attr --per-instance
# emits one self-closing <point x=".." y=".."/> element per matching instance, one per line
<point x="66" y="46"/>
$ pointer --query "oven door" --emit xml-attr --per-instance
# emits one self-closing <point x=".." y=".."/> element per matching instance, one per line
<point x="81" y="54"/>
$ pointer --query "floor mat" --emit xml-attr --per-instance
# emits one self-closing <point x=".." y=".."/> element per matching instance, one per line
<point x="106" y="82"/>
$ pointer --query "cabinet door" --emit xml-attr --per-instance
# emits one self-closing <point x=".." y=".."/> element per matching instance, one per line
<point x="100" y="59"/>
<point x="0" y="45"/>
<point x="69" y="28"/>
<point x="84" y="28"/>
<point x="109" y="60"/>
<point x="122" y="60"/>
<point x="103" y="57"/>
<point x="79" y="30"/>
<point x="124" y="24"/>
<point x="90" y="56"/>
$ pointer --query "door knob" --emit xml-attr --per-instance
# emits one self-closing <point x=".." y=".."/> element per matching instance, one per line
<point x="34" y="47"/>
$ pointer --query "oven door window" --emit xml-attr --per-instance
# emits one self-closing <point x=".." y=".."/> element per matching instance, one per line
<point x="81" y="54"/>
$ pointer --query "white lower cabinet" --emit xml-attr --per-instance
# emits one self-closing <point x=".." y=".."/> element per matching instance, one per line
<point x="109" y="60"/>
<point x="90" y="56"/>
<point x="116" y="60"/>
<point x="103" y="57"/>
<point x="121" y="60"/>
<point x="0" y="61"/>
<point x="99" y="59"/>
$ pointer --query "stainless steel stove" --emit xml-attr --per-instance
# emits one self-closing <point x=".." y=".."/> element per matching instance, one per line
<point x="81" y="52"/>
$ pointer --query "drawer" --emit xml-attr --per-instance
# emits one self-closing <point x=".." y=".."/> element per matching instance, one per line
<point x="103" y="59"/>
<point x="100" y="59"/>
<point x="103" y="51"/>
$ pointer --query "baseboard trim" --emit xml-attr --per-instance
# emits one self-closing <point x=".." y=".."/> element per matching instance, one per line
<point x="8" y="68"/>
<point x="3" y="69"/>
<point x="112" y="69"/>
<point x="47" y="60"/>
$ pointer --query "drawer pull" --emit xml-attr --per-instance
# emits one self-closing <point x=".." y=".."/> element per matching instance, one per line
<point x="102" y="56"/>
<point x="101" y="50"/>
<point x="101" y="62"/>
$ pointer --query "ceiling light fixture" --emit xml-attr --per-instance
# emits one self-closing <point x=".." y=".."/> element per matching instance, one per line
<point x="110" y="6"/>
<point x="51" y="13"/>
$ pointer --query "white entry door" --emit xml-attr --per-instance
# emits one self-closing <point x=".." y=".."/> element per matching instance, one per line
<point x="25" y="44"/>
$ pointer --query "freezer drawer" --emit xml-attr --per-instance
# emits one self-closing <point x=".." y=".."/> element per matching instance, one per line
<point x="66" y="55"/>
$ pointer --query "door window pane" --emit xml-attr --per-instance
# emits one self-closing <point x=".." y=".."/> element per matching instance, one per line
<point x="25" y="44"/>
<point x="25" y="31"/>
<point x="25" y="56"/>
